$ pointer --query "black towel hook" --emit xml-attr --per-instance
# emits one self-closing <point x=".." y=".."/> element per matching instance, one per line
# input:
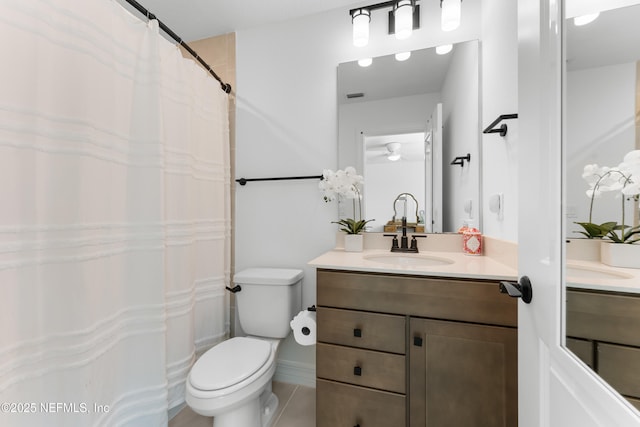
<point x="502" y="130"/>
<point x="460" y="160"/>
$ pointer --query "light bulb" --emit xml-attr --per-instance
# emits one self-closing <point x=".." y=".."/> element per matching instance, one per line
<point x="403" y="56"/>
<point x="365" y="62"/>
<point x="403" y="15"/>
<point x="444" y="49"/>
<point x="585" y="19"/>
<point x="360" y="20"/>
<point x="451" y="11"/>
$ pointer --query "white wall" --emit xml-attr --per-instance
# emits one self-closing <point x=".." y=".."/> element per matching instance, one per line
<point x="500" y="96"/>
<point x="385" y="116"/>
<point x="287" y="125"/>
<point x="461" y="137"/>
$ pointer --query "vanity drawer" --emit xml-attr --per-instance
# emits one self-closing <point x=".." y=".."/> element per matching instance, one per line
<point x="367" y="368"/>
<point x="583" y="349"/>
<point x="343" y="405"/>
<point x="603" y="317"/>
<point x="620" y="367"/>
<point x="360" y="329"/>
<point x="460" y="299"/>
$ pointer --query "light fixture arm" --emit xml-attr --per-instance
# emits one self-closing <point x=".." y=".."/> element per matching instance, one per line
<point x="389" y="5"/>
<point x="408" y="21"/>
<point x="443" y="0"/>
<point x="386" y="4"/>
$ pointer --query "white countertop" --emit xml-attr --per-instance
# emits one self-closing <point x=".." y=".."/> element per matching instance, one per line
<point x="580" y="274"/>
<point x="499" y="262"/>
<point x="594" y="275"/>
<point x="462" y="266"/>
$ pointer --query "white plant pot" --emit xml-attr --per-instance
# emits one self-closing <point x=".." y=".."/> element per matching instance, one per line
<point x="620" y="254"/>
<point x="353" y="242"/>
<point x="584" y="249"/>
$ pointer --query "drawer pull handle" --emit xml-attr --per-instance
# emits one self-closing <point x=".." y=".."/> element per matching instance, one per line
<point x="417" y="341"/>
<point x="357" y="332"/>
<point x="357" y="371"/>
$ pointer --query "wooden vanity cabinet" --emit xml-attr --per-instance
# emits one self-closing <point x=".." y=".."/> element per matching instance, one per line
<point x="602" y="330"/>
<point x="399" y="350"/>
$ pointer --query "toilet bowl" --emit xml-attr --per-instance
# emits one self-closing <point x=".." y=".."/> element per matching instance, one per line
<point x="232" y="383"/>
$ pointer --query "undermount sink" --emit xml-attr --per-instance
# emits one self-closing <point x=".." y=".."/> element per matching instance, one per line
<point x="408" y="260"/>
<point x="584" y="272"/>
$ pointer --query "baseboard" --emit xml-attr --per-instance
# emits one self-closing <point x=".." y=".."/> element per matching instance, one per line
<point x="174" y="411"/>
<point x="291" y="372"/>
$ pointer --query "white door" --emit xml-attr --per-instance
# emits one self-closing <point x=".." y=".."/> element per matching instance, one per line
<point x="554" y="388"/>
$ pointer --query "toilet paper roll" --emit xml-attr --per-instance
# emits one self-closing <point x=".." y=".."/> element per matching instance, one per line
<point x="304" y="327"/>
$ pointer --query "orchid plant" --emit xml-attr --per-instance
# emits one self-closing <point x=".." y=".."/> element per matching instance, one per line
<point x="345" y="184"/>
<point x="625" y="179"/>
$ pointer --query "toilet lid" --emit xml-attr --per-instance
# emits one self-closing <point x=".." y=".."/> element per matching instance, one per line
<point x="229" y="362"/>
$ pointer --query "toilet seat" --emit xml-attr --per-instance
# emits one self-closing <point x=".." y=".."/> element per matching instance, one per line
<point x="229" y="363"/>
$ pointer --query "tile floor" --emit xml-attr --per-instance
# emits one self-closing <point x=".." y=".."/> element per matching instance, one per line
<point x="297" y="409"/>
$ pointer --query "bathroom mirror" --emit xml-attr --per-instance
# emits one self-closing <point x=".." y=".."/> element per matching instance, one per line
<point x="602" y="89"/>
<point x="402" y="123"/>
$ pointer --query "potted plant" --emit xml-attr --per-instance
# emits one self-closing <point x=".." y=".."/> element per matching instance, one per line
<point x="625" y="180"/>
<point x="345" y="184"/>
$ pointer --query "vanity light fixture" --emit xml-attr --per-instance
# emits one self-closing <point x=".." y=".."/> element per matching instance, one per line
<point x="360" y="19"/>
<point x="404" y="17"/>
<point x="403" y="56"/>
<point x="365" y="62"/>
<point x="579" y="21"/>
<point x="444" y="49"/>
<point x="450" y="15"/>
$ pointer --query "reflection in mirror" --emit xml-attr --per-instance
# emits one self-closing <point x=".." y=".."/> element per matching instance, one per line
<point x="600" y="127"/>
<point x="401" y="123"/>
<point x="394" y="165"/>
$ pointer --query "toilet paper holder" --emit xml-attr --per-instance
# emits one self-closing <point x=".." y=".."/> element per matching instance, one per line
<point x="305" y="330"/>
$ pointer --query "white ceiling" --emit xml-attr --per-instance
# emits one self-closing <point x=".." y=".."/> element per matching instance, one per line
<point x="423" y="72"/>
<point x="199" y="19"/>
<point x="602" y="42"/>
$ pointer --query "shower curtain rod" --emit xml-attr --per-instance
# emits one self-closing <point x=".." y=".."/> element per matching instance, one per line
<point x="226" y="87"/>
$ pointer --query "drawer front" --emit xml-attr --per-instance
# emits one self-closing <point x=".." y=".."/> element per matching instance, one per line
<point x="343" y="405"/>
<point x="450" y="299"/>
<point x="603" y="317"/>
<point x="583" y="349"/>
<point x="359" y="329"/>
<point x="620" y="367"/>
<point x="367" y="368"/>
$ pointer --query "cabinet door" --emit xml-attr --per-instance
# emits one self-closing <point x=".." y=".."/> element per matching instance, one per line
<point x="462" y="375"/>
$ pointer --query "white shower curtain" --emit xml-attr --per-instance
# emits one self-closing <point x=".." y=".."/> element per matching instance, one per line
<point x="114" y="216"/>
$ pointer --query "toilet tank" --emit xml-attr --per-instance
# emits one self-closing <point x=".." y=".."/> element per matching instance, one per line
<point x="268" y="300"/>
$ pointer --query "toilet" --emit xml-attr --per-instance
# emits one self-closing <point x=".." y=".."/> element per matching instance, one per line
<point x="232" y="381"/>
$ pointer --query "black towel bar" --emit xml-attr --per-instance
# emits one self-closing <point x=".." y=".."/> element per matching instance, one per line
<point x="243" y="181"/>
